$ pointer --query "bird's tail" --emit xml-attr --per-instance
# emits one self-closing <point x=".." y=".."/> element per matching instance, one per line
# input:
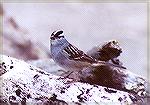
<point x="100" y="63"/>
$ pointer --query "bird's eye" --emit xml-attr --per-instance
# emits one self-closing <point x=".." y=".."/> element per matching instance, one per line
<point x="52" y="38"/>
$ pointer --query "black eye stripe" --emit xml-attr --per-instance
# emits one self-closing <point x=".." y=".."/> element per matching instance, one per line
<point x="52" y="38"/>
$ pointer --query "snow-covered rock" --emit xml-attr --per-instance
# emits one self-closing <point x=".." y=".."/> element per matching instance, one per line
<point x="25" y="84"/>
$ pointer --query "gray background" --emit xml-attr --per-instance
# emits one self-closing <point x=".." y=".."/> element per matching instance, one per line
<point x="89" y="24"/>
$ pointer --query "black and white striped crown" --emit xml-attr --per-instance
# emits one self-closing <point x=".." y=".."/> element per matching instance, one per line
<point x="57" y="33"/>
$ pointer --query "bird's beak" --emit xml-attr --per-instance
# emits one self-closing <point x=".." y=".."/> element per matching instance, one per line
<point x="52" y="37"/>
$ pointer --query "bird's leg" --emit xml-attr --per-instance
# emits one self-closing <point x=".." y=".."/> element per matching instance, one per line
<point x="73" y="79"/>
<point x="63" y="71"/>
<point x="67" y="76"/>
<point x="66" y="72"/>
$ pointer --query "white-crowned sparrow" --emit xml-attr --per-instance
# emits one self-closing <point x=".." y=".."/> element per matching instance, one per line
<point x="70" y="57"/>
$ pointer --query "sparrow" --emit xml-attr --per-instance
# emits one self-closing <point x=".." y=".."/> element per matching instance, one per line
<point x="70" y="57"/>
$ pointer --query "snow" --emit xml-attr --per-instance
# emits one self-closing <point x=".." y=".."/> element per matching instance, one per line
<point x="38" y="83"/>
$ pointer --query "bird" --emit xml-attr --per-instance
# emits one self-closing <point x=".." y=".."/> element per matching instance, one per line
<point x="70" y="57"/>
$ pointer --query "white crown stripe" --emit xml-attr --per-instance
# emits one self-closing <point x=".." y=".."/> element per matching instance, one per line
<point x="56" y="32"/>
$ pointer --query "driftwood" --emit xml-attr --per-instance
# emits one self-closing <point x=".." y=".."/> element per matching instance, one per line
<point x="22" y="83"/>
<point x="113" y="77"/>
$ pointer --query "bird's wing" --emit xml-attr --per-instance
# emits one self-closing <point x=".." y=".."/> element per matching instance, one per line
<point x="99" y="63"/>
<point x="75" y="54"/>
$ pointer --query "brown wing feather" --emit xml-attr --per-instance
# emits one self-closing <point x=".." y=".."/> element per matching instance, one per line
<point x="78" y="55"/>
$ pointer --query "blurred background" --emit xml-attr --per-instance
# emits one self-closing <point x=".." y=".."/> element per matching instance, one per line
<point x="27" y="27"/>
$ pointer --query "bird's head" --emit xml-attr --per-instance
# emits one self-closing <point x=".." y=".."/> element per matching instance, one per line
<point x="57" y="38"/>
<point x="56" y="35"/>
